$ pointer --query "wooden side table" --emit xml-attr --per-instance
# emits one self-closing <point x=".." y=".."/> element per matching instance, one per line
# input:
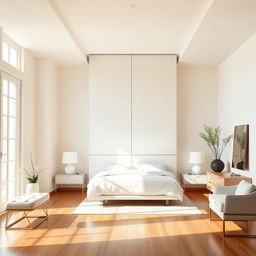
<point x="74" y="179"/>
<point x="193" y="181"/>
<point x="216" y="179"/>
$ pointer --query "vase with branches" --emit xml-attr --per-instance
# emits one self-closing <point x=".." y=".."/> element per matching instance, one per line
<point x="212" y="137"/>
<point x="32" y="177"/>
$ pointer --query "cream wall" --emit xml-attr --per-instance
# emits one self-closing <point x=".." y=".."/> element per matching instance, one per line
<point x="54" y="116"/>
<point x="47" y="105"/>
<point x="74" y="114"/>
<point x="197" y="105"/>
<point x="237" y="98"/>
<point x="28" y="112"/>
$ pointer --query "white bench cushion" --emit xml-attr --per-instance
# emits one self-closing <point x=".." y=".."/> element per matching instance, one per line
<point x="27" y="201"/>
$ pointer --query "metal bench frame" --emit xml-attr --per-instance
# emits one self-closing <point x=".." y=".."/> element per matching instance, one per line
<point x="25" y="216"/>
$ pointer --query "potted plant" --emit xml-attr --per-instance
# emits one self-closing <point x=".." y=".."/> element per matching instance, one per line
<point x="211" y="135"/>
<point x="32" y="177"/>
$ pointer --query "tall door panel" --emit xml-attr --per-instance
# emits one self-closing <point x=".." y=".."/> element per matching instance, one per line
<point x="153" y="104"/>
<point x="9" y="142"/>
<point x="110" y="104"/>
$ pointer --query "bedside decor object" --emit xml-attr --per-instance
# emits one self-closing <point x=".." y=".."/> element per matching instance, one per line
<point x="217" y="145"/>
<point x="234" y="174"/>
<point x="32" y="177"/>
<point x="196" y="158"/>
<point x="240" y="147"/>
<point x="69" y="158"/>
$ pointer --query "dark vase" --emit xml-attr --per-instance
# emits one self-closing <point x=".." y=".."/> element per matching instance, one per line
<point x="240" y="165"/>
<point x="217" y="165"/>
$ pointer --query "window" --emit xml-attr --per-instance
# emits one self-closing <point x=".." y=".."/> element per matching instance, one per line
<point x="11" y="52"/>
<point x="9" y="142"/>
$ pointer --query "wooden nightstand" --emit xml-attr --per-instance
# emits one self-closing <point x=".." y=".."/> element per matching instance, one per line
<point x="193" y="181"/>
<point x="217" y="179"/>
<point x="74" y="179"/>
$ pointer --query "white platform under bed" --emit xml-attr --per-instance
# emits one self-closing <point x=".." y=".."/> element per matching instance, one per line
<point x="123" y="197"/>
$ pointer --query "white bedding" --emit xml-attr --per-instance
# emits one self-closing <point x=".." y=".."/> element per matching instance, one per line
<point x="140" y="182"/>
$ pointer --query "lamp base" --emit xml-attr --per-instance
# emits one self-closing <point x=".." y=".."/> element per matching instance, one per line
<point x="70" y="169"/>
<point x="196" y="169"/>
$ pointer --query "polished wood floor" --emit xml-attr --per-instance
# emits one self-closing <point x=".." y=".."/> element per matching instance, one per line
<point x="67" y="234"/>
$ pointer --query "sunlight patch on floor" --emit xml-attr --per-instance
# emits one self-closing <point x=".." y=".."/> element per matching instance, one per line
<point x="76" y="235"/>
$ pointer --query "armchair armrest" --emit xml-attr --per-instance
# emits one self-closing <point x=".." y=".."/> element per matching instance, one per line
<point x="230" y="190"/>
<point x="240" y="204"/>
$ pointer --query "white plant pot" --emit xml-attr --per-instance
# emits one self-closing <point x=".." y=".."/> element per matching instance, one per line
<point x="32" y="188"/>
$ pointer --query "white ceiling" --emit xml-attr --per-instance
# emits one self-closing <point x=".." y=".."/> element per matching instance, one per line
<point x="132" y="26"/>
<point x="34" y="25"/>
<point x="227" y="25"/>
<point x="200" y="31"/>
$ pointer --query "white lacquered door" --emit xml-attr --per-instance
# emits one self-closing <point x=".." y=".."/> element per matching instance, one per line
<point x="154" y="105"/>
<point x="110" y="104"/>
<point x="10" y="123"/>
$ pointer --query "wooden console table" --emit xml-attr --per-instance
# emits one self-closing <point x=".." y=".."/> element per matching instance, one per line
<point x="217" y="179"/>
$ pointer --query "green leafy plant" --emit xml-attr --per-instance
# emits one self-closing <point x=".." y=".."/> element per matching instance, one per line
<point x="32" y="174"/>
<point x="33" y="178"/>
<point x="211" y="135"/>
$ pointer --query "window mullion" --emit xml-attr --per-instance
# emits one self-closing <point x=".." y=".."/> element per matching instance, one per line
<point x="7" y="134"/>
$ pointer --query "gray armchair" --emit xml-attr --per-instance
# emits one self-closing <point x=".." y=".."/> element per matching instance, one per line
<point x="231" y="207"/>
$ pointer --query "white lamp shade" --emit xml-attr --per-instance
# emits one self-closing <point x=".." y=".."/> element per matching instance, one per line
<point x="196" y="157"/>
<point x="69" y="158"/>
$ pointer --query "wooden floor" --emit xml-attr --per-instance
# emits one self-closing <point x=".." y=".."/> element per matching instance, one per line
<point x="67" y="234"/>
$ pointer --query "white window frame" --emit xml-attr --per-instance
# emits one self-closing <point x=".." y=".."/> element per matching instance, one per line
<point x="4" y="75"/>
<point x="11" y="43"/>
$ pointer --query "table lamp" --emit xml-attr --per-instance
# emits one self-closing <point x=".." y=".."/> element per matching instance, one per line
<point x="196" y="158"/>
<point x="69" y="158"/>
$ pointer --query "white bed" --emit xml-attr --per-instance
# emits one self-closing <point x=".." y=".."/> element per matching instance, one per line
<point x="144" y="183"/>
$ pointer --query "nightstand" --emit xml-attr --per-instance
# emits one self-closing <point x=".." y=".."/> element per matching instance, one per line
<point x="73" y="179"/>
<point x="193" y="181"/>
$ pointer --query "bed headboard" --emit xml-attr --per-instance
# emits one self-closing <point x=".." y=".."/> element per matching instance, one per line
<point x="101" y="163"/>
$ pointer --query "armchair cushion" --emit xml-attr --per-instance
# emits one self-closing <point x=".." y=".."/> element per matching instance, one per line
<point x="244" y="188"/>
<point x="217" y="201"/>
<point x="228" y="190"/>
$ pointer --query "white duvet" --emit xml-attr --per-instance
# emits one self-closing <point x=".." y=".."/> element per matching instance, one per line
<point x="140" y="182"/>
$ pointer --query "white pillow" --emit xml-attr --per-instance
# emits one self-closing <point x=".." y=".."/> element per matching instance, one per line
<point x="149" y="167"/>
<point x="117" y="168"/>
<point x="244" y="188"/>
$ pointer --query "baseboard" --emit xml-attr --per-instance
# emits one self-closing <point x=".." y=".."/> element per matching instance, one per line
<point x="203" y="190"/>
<point x="67" y="189"/>
<point x="52" y="193"/>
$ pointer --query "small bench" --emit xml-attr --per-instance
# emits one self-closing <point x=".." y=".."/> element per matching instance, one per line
<point x="26" y="203"/>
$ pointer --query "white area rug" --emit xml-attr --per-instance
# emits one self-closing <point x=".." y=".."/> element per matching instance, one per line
<point x="186" y="207"/>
